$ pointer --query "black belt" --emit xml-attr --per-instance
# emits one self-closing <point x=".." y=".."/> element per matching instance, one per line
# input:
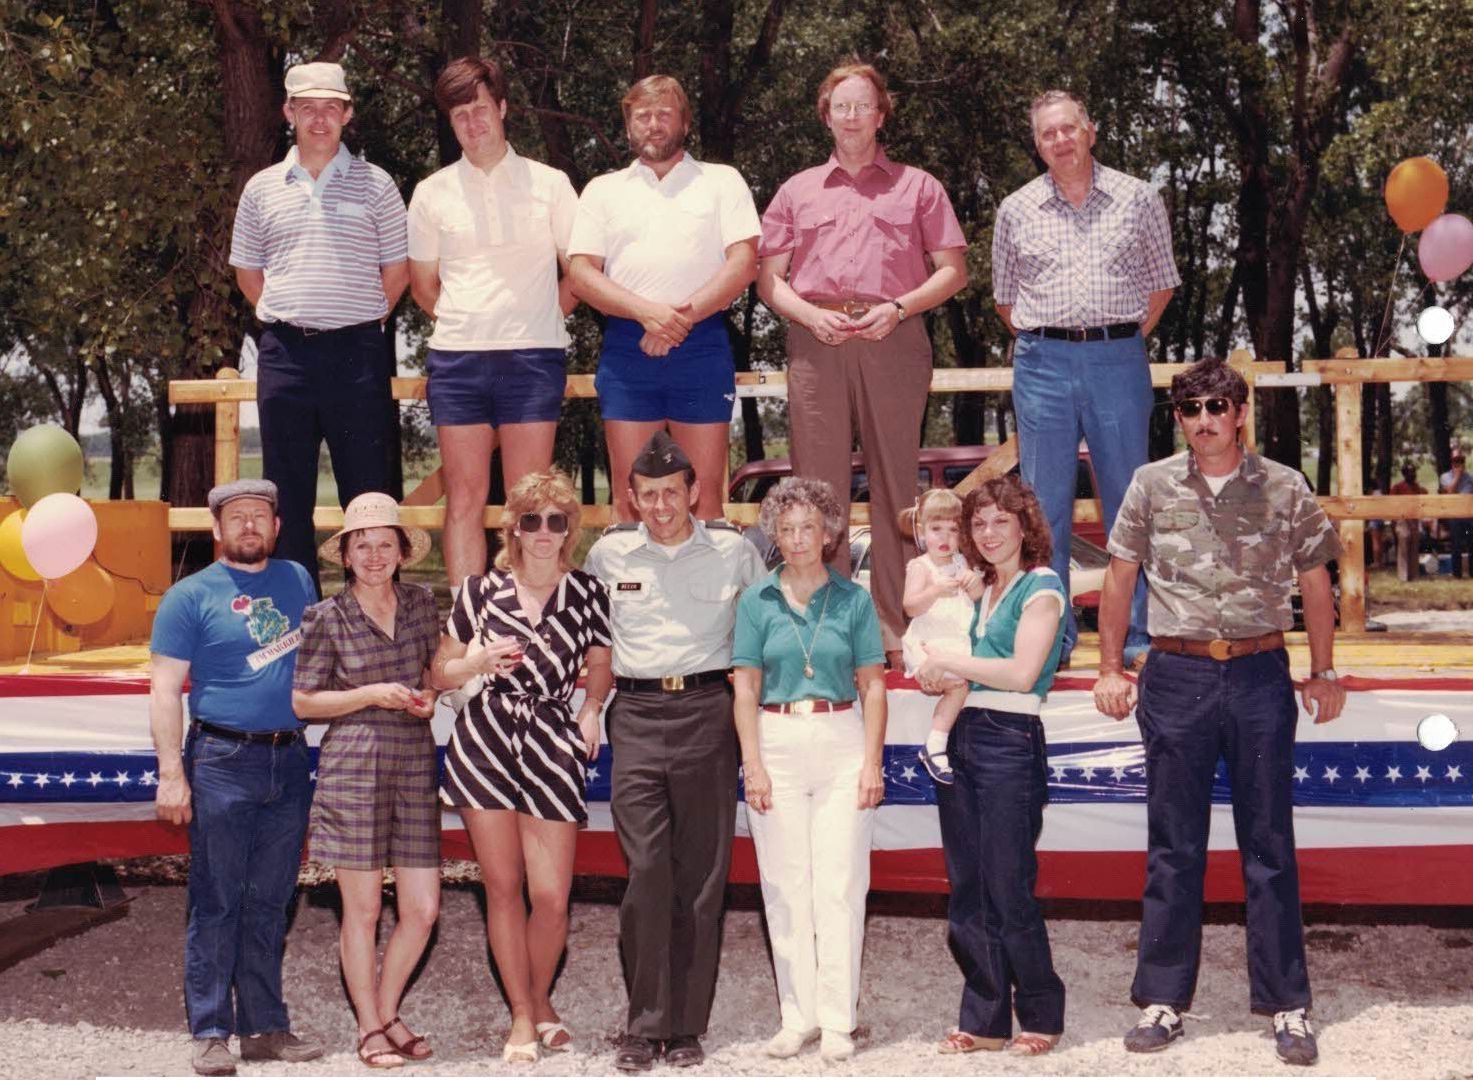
<point x="672" y="684"/>
<point x="1113" y="331"/>
<point x="275" y="738"/>
<point x="312" y="331"/>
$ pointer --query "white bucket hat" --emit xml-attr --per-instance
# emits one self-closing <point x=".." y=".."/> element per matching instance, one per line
<point x="375" y="510"/>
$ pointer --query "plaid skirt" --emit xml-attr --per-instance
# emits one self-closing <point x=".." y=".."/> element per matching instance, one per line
<point x="375" y="804"/>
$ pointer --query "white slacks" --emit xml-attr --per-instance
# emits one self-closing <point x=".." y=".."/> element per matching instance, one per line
<point x="813" y="856"/>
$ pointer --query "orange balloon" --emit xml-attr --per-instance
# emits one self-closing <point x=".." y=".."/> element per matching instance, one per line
<point x="83" y="596"/>
<point x="1416" y="193"/>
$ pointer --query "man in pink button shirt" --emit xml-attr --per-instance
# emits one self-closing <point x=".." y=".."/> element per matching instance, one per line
<point x="852" y="250"/>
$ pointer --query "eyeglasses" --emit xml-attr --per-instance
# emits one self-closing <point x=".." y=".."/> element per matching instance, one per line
<point x="1192" y="407"/>
<point x="530" y="523"/>
<point x="857" y="108"/>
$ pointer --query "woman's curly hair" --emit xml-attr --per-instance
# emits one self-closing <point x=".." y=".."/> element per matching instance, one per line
<point x="801" y="491"/>
<point x="528" y="495"/>
<point x="1017" y="498"/>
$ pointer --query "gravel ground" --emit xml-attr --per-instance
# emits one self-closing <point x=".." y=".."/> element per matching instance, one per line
<point x="1391" y="1000"/>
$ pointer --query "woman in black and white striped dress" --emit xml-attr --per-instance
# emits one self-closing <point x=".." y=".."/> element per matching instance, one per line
<point x="515" y="765"/>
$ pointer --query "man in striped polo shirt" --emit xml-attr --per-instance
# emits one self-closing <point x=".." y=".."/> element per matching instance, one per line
<point x="1081" y="271"/>
<point x="321" y="249"/>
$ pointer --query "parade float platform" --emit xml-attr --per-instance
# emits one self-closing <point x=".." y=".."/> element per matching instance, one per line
<point x="1379" y="818"/>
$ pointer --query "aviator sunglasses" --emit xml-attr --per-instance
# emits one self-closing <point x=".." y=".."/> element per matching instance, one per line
<point x="530" y="523"/>
<point x="1192" y="407"/>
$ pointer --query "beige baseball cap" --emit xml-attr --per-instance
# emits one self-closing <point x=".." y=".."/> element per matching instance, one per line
<point x="319" y="80"/>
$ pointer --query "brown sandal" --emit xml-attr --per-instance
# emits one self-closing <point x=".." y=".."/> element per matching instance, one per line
<point x="1031" y="1044"/>
<point x="371" y="1058"/>
<point x="961" y="1042"/>
<point x="415" y="1048"/>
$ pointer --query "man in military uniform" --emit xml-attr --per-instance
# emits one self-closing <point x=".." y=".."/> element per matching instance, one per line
<point x="674" y="583"/>
<point x="1221" y="533"/>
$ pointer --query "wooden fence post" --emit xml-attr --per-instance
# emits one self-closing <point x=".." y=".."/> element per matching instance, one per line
<point x="1350" y="482"/>
<point x="227" y="434"/>
<point x="1242" y="361"/>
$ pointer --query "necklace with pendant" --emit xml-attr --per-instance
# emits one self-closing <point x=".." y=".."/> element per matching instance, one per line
<point x="798" y="633"/>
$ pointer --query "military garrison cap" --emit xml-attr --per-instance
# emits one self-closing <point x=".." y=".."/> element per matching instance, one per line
<point x="661" y="456"/>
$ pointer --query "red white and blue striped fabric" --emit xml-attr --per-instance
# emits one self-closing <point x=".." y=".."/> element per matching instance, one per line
<point x="1379" y="819"/>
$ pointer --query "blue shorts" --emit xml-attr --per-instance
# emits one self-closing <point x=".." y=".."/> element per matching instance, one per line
<point x="695" y="384"/>
<point x="496" y="386"/>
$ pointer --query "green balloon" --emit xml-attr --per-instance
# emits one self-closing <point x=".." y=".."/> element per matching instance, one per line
<point x="44" y="460"/>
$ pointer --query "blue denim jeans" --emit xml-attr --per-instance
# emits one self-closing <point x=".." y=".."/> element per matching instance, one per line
<point x="1099" y="391"/>
<point x="990" y="820"/>
<point x="250" y="804"/>
<point x="1193" y="712"/>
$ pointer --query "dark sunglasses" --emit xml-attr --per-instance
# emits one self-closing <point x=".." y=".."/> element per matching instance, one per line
<point x="530" y="523"/>
<point x="1192" y="407"/>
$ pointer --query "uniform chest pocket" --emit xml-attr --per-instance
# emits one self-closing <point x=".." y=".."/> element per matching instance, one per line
<point x="457" y="238"/>
<point x="713" y="592"/>
<point x="533" y="225"/>
<point x="1176" y="520"/>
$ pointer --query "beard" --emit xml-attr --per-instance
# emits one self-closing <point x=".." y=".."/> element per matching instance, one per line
<point x="657" y="148"/>
<point x="248" y="549"/>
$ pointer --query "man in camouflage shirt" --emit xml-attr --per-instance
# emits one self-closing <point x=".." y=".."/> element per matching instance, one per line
<point x="1221" y="533"/>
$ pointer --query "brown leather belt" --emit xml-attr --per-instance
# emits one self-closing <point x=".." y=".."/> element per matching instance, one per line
<point x="1220" y="648"/>
<point x="854" y="307"/>
<point x="804" y="708"/>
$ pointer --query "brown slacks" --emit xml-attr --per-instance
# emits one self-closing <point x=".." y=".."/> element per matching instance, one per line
<point x="883" y="386"/>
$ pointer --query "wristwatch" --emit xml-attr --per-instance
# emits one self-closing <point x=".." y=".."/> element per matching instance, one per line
<point x="900" y="308"/>
<point x="1328" y="675"/>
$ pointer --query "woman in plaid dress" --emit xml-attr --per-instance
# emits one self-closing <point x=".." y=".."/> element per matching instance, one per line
<point x="515" y="765"/>
<point x="361" y="668"/>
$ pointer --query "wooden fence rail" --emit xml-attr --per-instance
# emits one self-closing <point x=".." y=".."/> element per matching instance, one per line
<point x="1349" y="506"/>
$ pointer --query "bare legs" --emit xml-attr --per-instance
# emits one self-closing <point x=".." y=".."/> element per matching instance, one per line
<point x="465" y="462"/>
<point x="514" y="848"/>
<point x="705" y="444"/>
<point x="376" y="991"/>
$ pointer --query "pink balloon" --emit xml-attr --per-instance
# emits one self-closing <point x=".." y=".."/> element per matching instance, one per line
<point x="1446" y="247"/>
<point x="58" y="534"/>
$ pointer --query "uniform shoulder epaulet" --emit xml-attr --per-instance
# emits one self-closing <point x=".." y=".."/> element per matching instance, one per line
<point x="620" y="526"/>
<point x="721" y="523"/>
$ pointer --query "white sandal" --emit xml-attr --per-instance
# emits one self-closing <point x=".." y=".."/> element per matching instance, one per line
<point x="548" y="1030"/>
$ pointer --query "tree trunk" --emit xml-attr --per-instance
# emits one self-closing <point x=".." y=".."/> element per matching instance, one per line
<point x="250" y="91"/>
<point x="644" y="39"/>
<point x="1442" y="434"/>
<point x="752" y="441"/>
<point x="968" y="421"/>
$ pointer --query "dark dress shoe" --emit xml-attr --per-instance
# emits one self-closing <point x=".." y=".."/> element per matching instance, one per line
<point x="684" y="1051"/>
<point x="635" y="1054"/>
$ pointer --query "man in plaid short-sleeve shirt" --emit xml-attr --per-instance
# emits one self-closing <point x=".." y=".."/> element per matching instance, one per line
<point x="1081" y="271"/>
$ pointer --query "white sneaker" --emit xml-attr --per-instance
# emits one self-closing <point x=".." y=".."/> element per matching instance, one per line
<point x="787" y="1042"/>
<point x="836" y="1046"/>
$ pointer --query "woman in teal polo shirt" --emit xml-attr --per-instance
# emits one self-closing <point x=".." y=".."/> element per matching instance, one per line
<point x="810" y="713"/>
<point x="991" y="816"/>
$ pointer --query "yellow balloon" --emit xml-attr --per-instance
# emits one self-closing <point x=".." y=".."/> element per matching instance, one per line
<point x="83" y="596"/>
<point x="12" y="555"/>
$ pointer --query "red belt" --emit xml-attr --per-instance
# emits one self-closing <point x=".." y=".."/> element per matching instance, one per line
<point x="810" y="705"/>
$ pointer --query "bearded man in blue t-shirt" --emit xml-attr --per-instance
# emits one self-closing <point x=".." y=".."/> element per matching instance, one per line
<point x="241" y="783"/>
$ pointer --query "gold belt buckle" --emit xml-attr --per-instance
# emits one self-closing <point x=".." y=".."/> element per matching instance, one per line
<point x="672" y="683"/>
<point x="855" y="309"/>
<point x="1220" y="649"/>
<point x="801" y="708"/>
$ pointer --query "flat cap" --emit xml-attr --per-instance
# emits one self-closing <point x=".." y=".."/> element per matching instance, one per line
<point x="221" y="494"/>
<point x="661" y="456"/>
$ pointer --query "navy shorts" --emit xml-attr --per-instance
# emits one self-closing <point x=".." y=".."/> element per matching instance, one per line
<point x="496" y="386"/>
<point x="695" y="384"/>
